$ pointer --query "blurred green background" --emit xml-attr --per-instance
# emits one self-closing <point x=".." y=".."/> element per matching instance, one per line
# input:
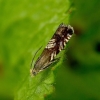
<point x="25" y="25"/>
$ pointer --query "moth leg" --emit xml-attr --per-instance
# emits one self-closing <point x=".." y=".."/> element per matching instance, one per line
<point x="53" y="61"/>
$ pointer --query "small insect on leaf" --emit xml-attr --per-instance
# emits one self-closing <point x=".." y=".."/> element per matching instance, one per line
<point x="54" y="46"/>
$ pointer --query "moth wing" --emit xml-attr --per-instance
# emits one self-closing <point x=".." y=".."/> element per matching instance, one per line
<point x="43" y="60"/>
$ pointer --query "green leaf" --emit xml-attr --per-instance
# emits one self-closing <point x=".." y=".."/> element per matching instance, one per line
<point x="31" y="24"/>
<point x="36" y="88"/>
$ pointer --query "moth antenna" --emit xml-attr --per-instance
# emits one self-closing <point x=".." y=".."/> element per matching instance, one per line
<point x="34" y="56"/>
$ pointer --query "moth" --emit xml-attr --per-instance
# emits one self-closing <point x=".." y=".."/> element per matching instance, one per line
<point x="54" y="46"/>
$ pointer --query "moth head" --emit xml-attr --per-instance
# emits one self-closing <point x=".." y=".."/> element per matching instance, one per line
<point x="63" y="30"/>
<point x="33" y="72"/>
<point x="70" y="30"/>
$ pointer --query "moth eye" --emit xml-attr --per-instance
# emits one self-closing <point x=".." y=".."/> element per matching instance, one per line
<point x="70" y="31"/>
